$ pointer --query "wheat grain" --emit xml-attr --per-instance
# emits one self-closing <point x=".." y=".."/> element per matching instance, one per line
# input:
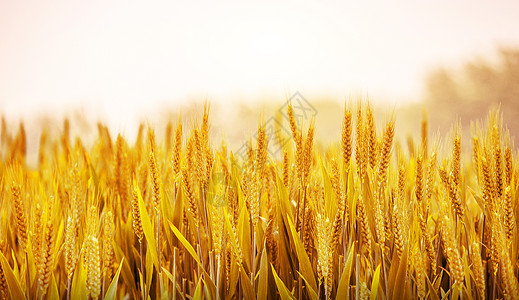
<point x="451" y="186"/>
<point x="509" y="167"/>
<point x="360" y="145"/>
<point x="371" y="137"/>
<point x="121" y="170"/>
<point x="93" y="283"/>
<point x="47" y="259"/>
<point x="4" y="292"/>
<point x="38" y="234"/>
<point x="193" y="206"/>
<point x="498" y="162"/>
<point x="285" y="169"/>
<point x="177" y="149"/>
<point x="108" y="251"/>
<point x="155" y="182"/>
<point x="21" y="220"/>
<point x="362" y="220"/>
<point x="451" y="251"/>
<point x="424" y="134"/>
<point x="70" y="247"/>
<point x="509" y="214"/>
<point x="397" y="229"/>
<point x="420" y="274"/>
<point x="509" y="280"/>
<point x="136" y="215"/>
<point x="307" y="155"/>
<point x="385" y="152"/>
<point x="477" y="269"/>
<point x="324" y="251"/>
<point x="429" y="184"/>
<point x="419" y="182"/>
<point x="346" y="136"/>
<point x="456" y="160"/>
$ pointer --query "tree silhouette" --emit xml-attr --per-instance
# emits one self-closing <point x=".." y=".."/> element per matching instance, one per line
<point x="479" y="86"/>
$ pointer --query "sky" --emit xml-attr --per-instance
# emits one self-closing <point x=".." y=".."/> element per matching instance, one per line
<point x="128" y="57"/>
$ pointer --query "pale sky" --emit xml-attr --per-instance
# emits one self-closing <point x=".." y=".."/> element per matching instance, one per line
<point x="129" y="56"/>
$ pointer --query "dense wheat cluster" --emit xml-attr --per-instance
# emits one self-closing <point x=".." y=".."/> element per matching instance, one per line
<point x="179" y="216"/>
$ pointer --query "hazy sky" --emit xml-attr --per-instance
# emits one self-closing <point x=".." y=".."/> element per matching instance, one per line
<point x="128" y="54"/>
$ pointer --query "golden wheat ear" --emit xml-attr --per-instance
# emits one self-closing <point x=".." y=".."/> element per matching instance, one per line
<point x="308" y="222"/>
<point x="47" y="259"/>
<point x="93" y="263"/>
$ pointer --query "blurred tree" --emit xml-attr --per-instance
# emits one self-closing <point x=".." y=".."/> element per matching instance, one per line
<point x="479" y="86"/>
<point x="442" y="87"/>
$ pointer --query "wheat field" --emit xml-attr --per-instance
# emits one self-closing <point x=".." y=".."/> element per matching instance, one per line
<point x="179" y="217"/>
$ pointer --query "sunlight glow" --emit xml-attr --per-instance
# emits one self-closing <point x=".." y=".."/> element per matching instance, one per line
<point x="63" y="53"/>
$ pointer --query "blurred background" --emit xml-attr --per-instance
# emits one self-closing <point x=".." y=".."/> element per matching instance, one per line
<point x="126" y="62"/>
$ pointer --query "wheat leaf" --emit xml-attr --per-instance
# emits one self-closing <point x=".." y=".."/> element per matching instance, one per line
<point x="282" y="289"/>
<point x="248" y="290"/>
<point x="147" y="227"/>
<point x="375" y="283"/>
<point x="311" y="291"/>
<point x="263" y="276"/>
<point x="186" y="244"/>
<point x="111" y="293"/>
<point x="12" y="283"/>
<point x="305" y="266"/>
<point x="344" y="282"/>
